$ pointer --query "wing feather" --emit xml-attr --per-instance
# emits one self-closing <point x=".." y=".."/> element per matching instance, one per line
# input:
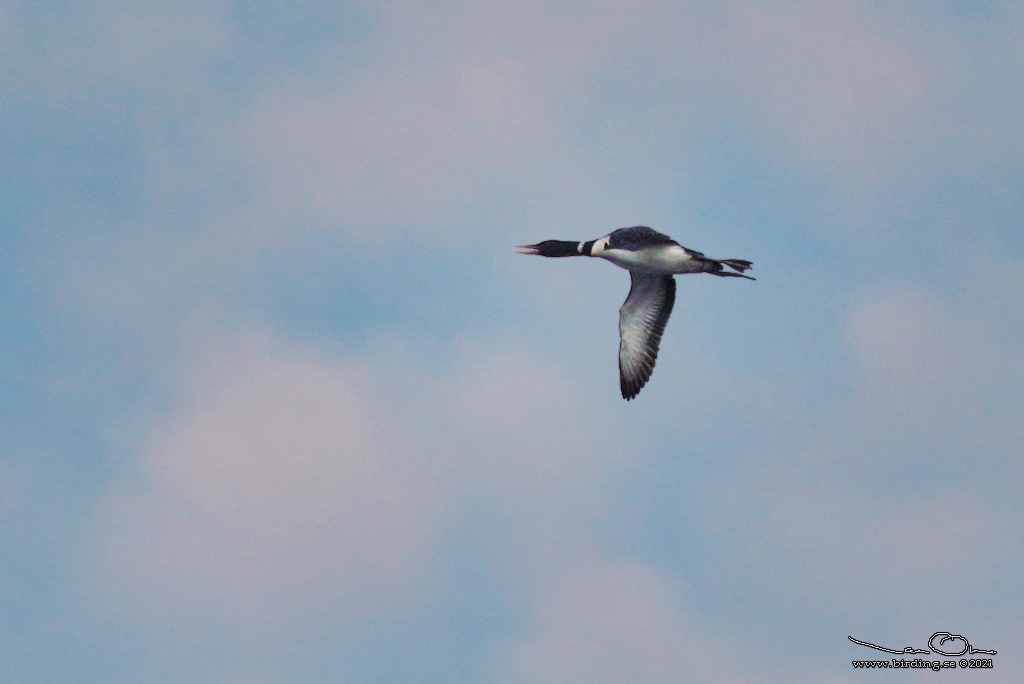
<point x="642" y="320"/>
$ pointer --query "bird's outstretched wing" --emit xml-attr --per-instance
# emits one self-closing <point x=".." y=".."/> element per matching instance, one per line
<point x="642" y="320"/>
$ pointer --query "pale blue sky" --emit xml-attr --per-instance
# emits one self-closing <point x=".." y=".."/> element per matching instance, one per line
<point x="281" y="404"/>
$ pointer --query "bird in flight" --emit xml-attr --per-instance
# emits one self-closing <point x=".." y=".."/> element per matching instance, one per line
<point x="652" y="260"/>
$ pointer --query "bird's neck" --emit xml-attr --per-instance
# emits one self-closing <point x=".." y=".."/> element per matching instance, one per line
<point x="563" y="248"/>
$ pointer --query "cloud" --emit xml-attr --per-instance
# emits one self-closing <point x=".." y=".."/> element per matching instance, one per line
<point x="615" y="622"/>
<point x="826" y="538"/>
<point x="443" y="120"/>
<point x="440" y="119"/>
<point x="533" y="107"/>
<point x="840" y="83"/>
<point x="287" y="482"/>
<point x="116" y="48"/>
<point x="264" y="495"/>
<point x="911" y="349"/>
<point x="938" y="370"/>
<point x="902" y="485"/>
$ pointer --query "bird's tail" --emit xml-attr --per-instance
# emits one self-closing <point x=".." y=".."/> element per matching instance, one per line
<point x="740" y="265"/>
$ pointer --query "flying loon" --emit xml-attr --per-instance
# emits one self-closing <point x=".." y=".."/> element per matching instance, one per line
<point x="652" y="260"/>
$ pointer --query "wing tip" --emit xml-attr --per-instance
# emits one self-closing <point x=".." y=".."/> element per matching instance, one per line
<point x="632" y="383"/>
